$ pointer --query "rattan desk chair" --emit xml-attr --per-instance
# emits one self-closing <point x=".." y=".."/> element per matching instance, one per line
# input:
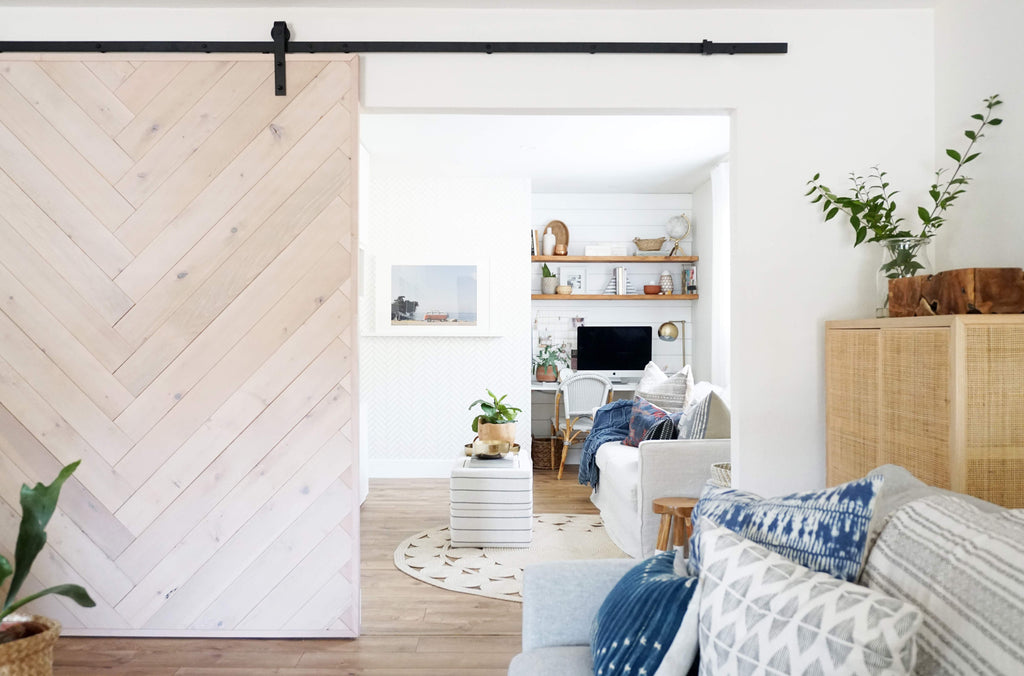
<point x="582" y="393"/>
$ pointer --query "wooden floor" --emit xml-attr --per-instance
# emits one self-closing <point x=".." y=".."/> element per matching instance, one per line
<point x="408" y="627"/>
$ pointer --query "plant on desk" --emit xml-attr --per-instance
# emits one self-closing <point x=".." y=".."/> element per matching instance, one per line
<point x="497" y="422"/>
<point x="546" y="362"/>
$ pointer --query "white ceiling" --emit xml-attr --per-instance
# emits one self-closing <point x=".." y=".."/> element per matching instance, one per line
<point x="493" y="4"/>
<point x="559" y="153"/>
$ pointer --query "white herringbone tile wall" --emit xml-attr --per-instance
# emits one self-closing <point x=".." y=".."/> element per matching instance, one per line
<point x="416" y="390"/>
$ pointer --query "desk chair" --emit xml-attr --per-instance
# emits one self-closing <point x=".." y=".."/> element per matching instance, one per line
<point x="583" y="393"/>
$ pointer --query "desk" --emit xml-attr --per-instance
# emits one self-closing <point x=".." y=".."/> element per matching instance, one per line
<point x="542" y="408"/>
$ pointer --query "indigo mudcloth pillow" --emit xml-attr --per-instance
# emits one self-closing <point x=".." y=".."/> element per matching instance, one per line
<point x="826" y="531"/>
<point x="645" y="415"/>
<point x="647" y="624"/>
<point x="663" y="430"/>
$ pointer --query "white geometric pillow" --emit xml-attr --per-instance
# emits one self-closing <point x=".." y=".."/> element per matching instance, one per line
<point x="671" y="393"/>
<point x="762" y="613"/>
<point x="965" y="571"/>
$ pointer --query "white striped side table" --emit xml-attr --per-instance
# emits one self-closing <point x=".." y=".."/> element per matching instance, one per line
<point x="492" y="502"/>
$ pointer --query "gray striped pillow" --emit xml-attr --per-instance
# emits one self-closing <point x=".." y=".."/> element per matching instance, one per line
<point x="671" y="393"/>
<point x="965" y="570"/>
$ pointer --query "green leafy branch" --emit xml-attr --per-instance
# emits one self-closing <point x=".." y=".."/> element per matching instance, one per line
<point x="37" y="505"/>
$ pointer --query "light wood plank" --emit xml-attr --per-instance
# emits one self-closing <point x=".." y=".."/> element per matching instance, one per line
<point x="223" y="191"/>
<point x="53" y="199"/>
<point x="61" y="299"/>
<point x="60" y="110"/>
<point x="75" y="266"/>
<point x="164" y="388"/>
<point x="63" y="347"/>
<point x="54" y="151"/>
<point x="111" y="73"/>
<point x="178" y="191"/>
<point x="166" y="108"/>
<point x="37" y="463"/>
<point x="61" y="393"/>
<point x="85" y="86"/>
<point x="149" y="78"/>
<point x="313" y="537"/>
<point x="258" y="227"/>
<point x="192" y="130"/>
<point x="237" y="413"/>
<point x="326" y="606"/>
<point x="61" y="439"/>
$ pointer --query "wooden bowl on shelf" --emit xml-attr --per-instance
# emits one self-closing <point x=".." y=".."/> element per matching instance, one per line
<point x="652" y="289"/>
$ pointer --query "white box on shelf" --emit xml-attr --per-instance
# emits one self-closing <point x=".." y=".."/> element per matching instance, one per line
<point x="597" y="250"/>
<point x="618" y="249"/>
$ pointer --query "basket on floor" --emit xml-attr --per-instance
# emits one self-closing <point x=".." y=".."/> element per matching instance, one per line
<point x="721" y="474"/>
<point x="30" y="656"/>
<point x="540" y="453"/>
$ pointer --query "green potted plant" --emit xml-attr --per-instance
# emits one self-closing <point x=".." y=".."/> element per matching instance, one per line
<point x="496" y="421"/>
<point x="26" y="641"/>
<point x="548" y="281"/>
<point x="870" y="207"/>
<point x="546" y="363"/>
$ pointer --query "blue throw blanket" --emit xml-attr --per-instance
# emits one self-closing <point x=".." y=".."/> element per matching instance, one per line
<point x="611" y="423"/>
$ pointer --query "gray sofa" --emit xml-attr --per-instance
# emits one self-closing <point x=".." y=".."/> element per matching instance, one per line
<point x="562" y="598"/>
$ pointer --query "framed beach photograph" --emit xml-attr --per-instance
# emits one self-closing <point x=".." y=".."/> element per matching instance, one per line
<point x="433" y="298"/>
<point x="574" y="277"/>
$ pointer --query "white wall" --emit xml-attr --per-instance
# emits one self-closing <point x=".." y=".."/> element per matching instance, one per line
<point x="979" y="52"/>
<point x="416" y="390"/>
<point x="703" y="244"/>
<point x="793" y="114"/>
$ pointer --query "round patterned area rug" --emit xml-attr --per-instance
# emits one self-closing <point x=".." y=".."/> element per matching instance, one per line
<point x="497" y="572"/>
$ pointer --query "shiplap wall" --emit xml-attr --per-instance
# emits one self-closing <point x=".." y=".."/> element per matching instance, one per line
<point x="177" y="268"/>
<point x="603" y="218"/>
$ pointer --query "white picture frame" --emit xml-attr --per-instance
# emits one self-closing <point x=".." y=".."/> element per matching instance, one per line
<point x="576" y="277"/>
<point x="432" y="297"/>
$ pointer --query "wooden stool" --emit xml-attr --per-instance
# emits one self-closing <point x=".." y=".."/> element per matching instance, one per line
<point x="680" y="508"/>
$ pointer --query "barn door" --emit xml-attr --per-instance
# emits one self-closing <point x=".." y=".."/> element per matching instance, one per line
<point x="177" y="310"/>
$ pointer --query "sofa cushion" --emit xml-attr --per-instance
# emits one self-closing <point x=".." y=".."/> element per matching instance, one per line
<point x="824" y="530"/>
<point x="671" y="393"/>
<point x="762" y="613"/>
<point x="570" y="660"/>
<point x="644" y="416"/>
<point x="706" y="418"/>
<point x="645" y="625"/>
<point x="964" y="569"/>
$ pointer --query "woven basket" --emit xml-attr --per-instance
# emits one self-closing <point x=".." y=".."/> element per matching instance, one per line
<point x="32" y="656"/>
<point x="721" y="474"/>
<point x="540" y="453"/>
<point x="648" y="244"/>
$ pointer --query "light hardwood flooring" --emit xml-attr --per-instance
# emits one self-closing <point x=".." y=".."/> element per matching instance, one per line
<point x="408" y="627"/>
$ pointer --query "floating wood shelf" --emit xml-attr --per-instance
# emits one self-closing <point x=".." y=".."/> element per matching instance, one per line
<point x="615" y="259"/>
<point x="608" y="296"/>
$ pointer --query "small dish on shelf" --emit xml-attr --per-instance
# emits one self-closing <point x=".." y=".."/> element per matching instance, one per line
<point x="652" y="289"/>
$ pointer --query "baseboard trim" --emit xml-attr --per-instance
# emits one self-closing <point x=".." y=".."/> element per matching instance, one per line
<point x="411" y="469"/>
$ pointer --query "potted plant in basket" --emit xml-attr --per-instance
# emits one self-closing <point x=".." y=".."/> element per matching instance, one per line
<point x="870" y="208"/>
<point x="497" y="420"/>
<point x="546" y="363"/>
<point x="26" y="641"/>
<point x="548" y="281"/>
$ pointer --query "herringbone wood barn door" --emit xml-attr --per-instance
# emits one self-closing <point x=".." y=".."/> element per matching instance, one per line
<point x="177" y="310"/>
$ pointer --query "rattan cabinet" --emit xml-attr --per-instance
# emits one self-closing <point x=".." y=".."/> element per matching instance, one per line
<point x="942" y="396"/>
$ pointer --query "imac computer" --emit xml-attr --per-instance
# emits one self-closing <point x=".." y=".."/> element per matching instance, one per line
<point x="618" y="352"/>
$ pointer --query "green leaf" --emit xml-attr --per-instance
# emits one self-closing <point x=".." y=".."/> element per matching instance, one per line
<point x="954" y="154"/>
<point x="970" y="157"/>
<point x="817" y="199"/>
<point x="476" y="424"/>
<point x="37" y="505"/>
<point x="73" y="591"/>
<point x="816" y="177"/>
<point x="832" y="213"/>
<point x="971" y="135"/>
<point x="978" y="116"/>
<point x="995" y="122"/>
<point x="923" y="214"/>
<point x="5" y="569"/>
<point x="861" y="234"/>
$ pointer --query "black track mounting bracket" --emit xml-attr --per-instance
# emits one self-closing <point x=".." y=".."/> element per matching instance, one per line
<point x="280" y="34"/>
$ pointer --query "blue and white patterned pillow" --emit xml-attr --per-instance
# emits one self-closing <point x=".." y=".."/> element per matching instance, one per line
<point x="647" y="623"/>
<point x="662" y="431"/>
<point x="826" y="530"/>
